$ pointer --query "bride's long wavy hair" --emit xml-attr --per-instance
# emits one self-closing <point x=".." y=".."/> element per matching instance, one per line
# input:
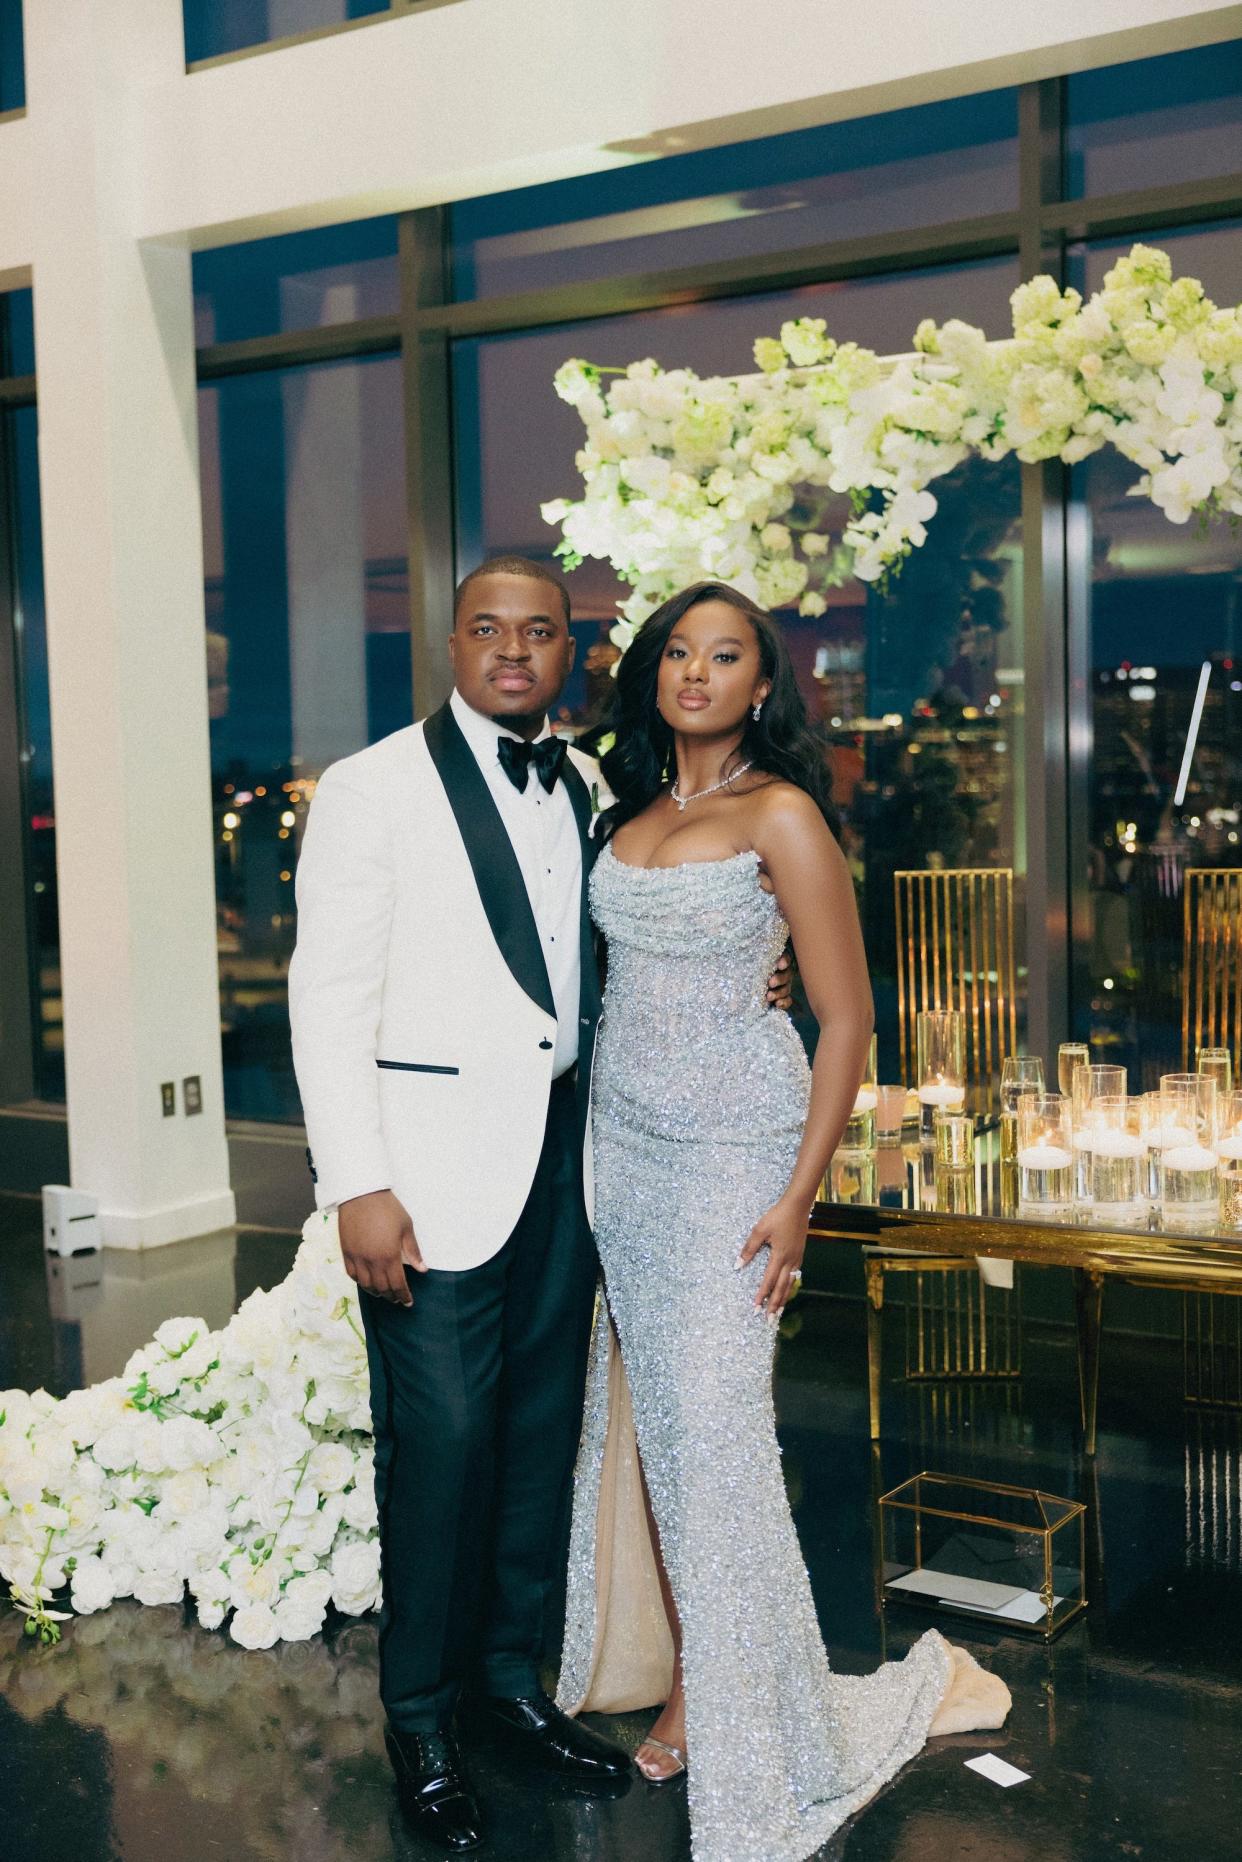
<point x="781" y="741"/>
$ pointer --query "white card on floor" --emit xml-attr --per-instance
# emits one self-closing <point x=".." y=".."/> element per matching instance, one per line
<point x="989" y="1766"/>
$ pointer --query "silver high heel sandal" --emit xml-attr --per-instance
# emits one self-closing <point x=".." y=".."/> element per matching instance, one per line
<point x="674" y="1752"/>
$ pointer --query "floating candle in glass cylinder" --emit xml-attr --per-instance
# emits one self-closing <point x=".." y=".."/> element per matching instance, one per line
<point x="1216" y="1063"/>
<point x="1090" y="1084"/>
<point x="1020" y="1073"/>
<point x="1191" y="1100"/>
<point x="1045" y="1151"/>
<point x="1188" y="1167"/>
<point x="859" y="1133"/>
<point x="1114" y="1154"/>
<point x="940" y="1038"/>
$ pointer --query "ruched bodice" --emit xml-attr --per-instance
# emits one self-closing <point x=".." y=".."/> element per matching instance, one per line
<point x="690" y="951"/>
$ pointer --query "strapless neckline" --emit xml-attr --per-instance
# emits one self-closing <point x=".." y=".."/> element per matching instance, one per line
<point x="681" y="866"/>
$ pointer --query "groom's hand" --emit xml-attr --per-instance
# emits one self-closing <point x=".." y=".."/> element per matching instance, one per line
<point x="781" y="982"/>
<point x="377" y="1244"/>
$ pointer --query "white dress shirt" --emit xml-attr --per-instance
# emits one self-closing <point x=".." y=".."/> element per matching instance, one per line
<point x="543" y="832"/>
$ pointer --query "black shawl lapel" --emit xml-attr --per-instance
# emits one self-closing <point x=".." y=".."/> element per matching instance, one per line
<point x="589" y="991"/>
<point x="492" y="859"/>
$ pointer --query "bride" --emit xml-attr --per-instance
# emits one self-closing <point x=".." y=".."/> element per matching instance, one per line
<point x="711" y="1136"/>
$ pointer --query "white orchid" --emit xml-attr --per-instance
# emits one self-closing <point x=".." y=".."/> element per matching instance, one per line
<point x="687" y="478"/>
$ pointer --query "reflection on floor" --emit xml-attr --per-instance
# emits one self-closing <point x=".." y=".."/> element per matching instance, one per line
<point x="142" y="1738"/>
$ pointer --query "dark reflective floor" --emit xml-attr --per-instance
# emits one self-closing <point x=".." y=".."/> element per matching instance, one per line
<point x="141" y="1737"/>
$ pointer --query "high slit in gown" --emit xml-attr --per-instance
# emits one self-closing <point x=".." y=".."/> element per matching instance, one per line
<point x="700" y="1096"/>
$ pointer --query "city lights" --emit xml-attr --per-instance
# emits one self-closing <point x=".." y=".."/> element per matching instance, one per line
<point x="288" y="818"/>
<point x="232" y="821"/>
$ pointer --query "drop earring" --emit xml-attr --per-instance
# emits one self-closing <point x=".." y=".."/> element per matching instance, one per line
<point x="756" y="713"/>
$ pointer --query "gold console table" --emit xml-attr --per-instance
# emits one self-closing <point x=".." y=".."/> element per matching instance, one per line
<point x="889" y="1199"/>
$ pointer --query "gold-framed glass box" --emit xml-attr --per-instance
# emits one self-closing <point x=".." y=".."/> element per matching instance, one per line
<point x="1009" y="1556"/>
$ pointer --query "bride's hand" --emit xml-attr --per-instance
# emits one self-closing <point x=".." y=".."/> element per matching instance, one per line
<point x="783" y="1232"/>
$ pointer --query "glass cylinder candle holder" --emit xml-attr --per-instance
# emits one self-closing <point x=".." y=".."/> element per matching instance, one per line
<point x="1229" y="1128"/>
<point x="1020" y="1073"/>
<point x="940" y="1038"/>
<point x="859" y="1133"/>
<point x="1114" y="1152"/>
<point x="890" y="1110"/>
<point x="954" y="1140"/>
<point x="1188" y="1168"/>
<point x="1193" y="1098"/>
<point x="1045" y="1152"/>
<point x="1216" y="1063"/>
<point x="1070" y="1056"/>
<point x="1090" y="1083"/>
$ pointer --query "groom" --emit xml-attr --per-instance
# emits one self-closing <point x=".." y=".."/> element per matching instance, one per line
<point x="444" y="997"/>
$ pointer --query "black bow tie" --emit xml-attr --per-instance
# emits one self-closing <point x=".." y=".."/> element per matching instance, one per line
<point x="516" y="757"/>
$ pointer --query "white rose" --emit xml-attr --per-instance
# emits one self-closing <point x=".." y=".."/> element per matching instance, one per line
<point x="159" y="1586"/>
<point x="360" y="1509"/>
<point x="183" y="1494"/>
<point x="331" y="1467"/>
<point x="255" y="1627"/>
<point x="355" y="1577"/>
<point x="92" y="1587"/>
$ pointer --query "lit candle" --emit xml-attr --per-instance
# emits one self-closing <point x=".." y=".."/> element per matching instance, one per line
<point x="942" y="1093"/>
<point x="1229" y="1144"/>
<point x="1105" y="1143"/>
<point x="1044" y="1157"/>
<point x="865" y="1099"/>
<point x="1165" y="1137"/>
<point x="1188" y="1157"/>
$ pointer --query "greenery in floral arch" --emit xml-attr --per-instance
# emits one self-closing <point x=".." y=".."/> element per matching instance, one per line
<point x="688" y="478"/>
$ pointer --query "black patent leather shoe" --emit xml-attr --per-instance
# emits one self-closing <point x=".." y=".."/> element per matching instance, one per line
<point x="535" y="1728"/>
<point x="435" y="1799"/>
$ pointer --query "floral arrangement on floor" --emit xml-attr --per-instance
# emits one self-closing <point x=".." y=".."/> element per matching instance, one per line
<point x="690" y="478"/>
<point x="237" y="1464"/>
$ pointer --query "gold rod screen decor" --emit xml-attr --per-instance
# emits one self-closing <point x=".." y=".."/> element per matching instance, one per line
<point x="1212" y="962"/>
<point x="955" y="950"/>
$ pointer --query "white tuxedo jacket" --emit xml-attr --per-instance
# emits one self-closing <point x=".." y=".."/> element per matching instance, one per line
<point x="423" y="1021"/>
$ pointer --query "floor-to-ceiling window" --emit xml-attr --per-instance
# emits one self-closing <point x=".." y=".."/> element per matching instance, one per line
<point x="308" y="638"/>
<point x="214" y="28"/>
<point x="12" y="58"/>
<point x="1162" y="653"/>
<point x="32" y="1053"/>
<point x="939" y="704"/>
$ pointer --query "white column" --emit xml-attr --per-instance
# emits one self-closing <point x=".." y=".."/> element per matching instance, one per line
<point x="123" y="560"/>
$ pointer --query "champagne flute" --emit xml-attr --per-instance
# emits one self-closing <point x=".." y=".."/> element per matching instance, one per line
<point x="1216" y="1063"/>
<point x="1020" y="1073"/>
<point x="1070" y="1056"/>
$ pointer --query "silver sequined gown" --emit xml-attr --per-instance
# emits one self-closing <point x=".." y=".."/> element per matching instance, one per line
<point x="699" y="1100"/>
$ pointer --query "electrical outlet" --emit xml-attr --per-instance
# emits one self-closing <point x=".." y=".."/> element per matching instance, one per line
<point x="168" y="1098"/>
<point x="192" y="1094"/>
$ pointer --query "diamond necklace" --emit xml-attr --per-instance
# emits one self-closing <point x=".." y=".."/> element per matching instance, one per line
<point x="683" y="801"/>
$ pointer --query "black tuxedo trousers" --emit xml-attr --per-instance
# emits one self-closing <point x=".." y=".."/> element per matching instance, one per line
<point x="476" y="1395"/>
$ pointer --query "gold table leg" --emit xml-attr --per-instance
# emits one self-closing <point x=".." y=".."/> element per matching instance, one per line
<point x="1089" y="1297"/>
<point x="874" y="1270"/>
